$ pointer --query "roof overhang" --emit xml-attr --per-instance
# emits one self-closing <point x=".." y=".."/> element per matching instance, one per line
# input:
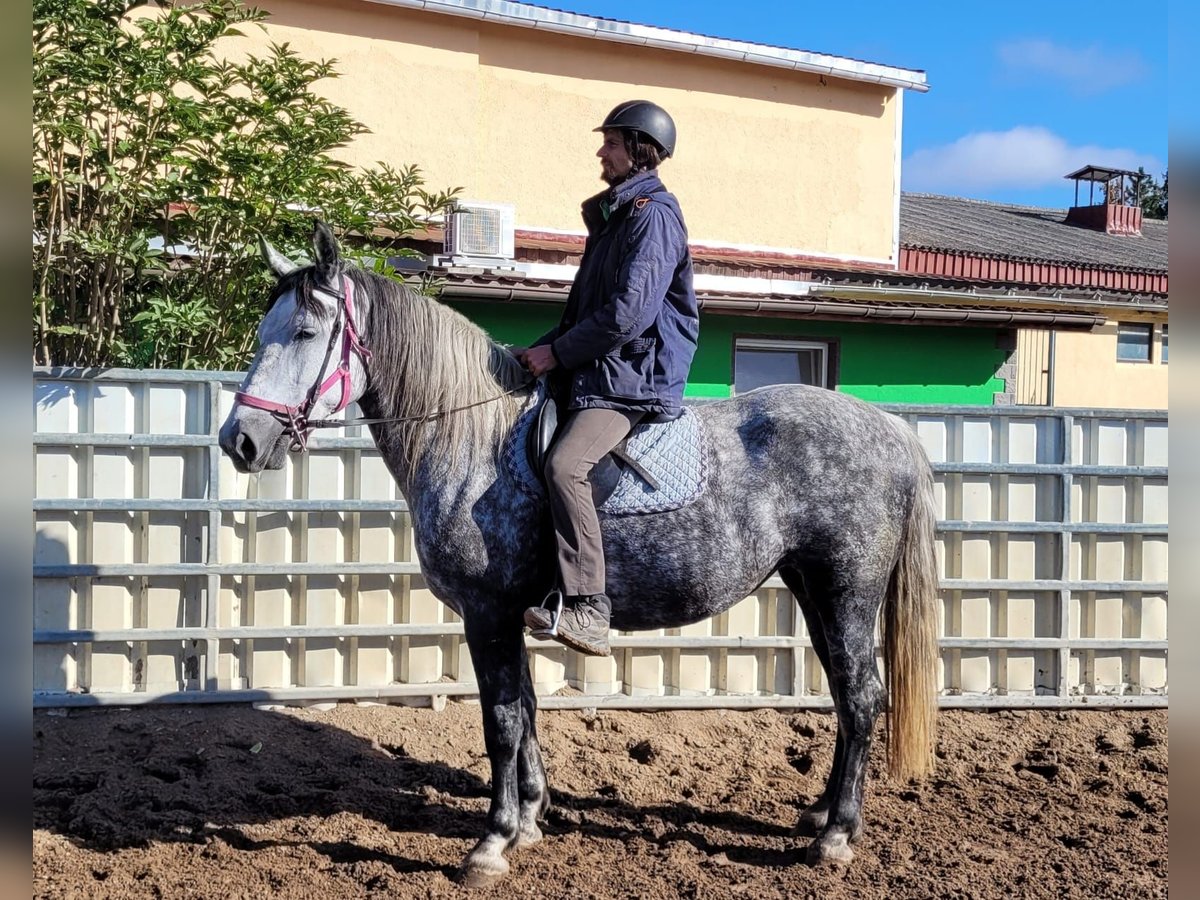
<point x="818" y="301"/>
<point x="524" y="15"/>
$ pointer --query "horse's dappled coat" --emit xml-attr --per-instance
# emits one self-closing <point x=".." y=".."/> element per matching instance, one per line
<point x="832" y="493"/>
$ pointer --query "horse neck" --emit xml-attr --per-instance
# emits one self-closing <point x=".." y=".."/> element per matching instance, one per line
<point x="428" y="473"/>
<point x="441" y="373"/>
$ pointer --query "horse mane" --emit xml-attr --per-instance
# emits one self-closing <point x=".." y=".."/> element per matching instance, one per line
<point x="428" y="358"/>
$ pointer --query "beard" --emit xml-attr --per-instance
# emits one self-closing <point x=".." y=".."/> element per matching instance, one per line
<point x="609" y="177"/>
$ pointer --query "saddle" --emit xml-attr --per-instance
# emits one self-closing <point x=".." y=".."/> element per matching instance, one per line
<point x="657" y="468"/>
<point x="605" y="475"/>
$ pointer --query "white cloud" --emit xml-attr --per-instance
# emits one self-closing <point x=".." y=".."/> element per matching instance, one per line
<point x="1022" y="157"/>
<point x="1085" y="70"/>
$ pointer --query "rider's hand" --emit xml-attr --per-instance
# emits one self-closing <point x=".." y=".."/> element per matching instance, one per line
<point x="540" y="360"/>
<point x="519" y="353"/>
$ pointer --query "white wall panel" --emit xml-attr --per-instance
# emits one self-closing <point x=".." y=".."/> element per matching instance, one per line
<point x="1000" y="536"/>
<point x="1154" y="447"/>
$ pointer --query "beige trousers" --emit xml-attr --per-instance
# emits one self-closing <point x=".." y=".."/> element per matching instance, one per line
<point x="585" y="438"/>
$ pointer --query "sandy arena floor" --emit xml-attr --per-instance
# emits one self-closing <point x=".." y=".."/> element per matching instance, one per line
<point x="384" y="802"/>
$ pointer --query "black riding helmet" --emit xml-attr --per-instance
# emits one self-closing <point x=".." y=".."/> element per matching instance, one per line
<point x="646" y="118"/>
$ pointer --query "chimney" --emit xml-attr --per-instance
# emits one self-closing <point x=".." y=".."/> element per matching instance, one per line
<point x="1112" y="214"/>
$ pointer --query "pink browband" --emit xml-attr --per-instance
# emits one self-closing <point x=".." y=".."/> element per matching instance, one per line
<point x="295" y="418"/>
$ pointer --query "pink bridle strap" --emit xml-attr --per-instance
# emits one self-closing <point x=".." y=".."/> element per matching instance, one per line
<point x="295" y="418"/>
<point x="351" y="343"/>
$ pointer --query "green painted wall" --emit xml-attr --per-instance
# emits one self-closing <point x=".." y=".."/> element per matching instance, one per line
<point x="882" y="363"/>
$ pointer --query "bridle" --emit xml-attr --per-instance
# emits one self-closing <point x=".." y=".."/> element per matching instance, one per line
<point x="295" y="420"/>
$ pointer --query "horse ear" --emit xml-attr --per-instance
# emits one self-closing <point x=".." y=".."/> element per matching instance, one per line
<point x="325" y="250"/>
<point x="279" y="263"/>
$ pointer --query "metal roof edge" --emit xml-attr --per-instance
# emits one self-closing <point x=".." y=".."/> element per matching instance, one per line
<point x="542" y="237"/>
<point x="800" y="307"/>
<point x="903" y="286"/>
<point x="524" y="15"/>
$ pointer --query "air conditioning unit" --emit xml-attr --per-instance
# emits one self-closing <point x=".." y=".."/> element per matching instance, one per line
<point x="479" y="233"/>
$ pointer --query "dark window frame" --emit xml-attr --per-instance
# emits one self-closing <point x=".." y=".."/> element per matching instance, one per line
<point x="1148" y="329"/>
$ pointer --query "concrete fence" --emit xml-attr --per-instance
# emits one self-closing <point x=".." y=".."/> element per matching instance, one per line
<point x="162" y="575"/>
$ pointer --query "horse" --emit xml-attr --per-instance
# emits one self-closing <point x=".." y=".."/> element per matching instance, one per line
<point x="828" y="491"/>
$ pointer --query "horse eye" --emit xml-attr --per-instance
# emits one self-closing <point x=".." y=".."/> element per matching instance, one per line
<point x="305" y="334"/>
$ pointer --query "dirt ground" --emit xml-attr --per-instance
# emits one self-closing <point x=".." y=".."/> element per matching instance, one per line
<point x="385" y="801"/>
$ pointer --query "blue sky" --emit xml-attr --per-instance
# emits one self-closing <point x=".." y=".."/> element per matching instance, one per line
<point x="1020" y="92"/>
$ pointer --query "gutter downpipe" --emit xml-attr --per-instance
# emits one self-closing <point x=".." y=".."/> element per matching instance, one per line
<point x="1050" y="369"/>
<point x="798" y="307"/>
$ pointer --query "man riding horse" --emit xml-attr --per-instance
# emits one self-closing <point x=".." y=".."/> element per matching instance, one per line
<point x="619" y="356"/>
<point x="830" y="492"/>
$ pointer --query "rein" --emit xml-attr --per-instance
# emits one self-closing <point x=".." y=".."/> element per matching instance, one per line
<point x="426" y="417"/>
<point x="295" y="419"/>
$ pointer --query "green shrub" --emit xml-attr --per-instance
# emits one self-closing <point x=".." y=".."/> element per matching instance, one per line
<point x="146" y="137"/>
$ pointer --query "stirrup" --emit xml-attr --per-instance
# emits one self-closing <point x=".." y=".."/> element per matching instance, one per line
<point x="555" y="611"/>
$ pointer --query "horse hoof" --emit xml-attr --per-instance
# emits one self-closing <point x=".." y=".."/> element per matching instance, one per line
<point x="482" y="872"/>
<point x="832" y="848"/>
<point x="527" y="837"/>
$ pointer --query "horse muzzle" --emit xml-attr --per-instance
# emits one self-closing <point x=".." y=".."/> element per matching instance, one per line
<point x="254" y="442"/>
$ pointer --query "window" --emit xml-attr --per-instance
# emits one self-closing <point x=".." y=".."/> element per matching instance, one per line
<point x="1133" y="343"/>
<point x="758" y="362"/>
<point x="1164" y="346"/>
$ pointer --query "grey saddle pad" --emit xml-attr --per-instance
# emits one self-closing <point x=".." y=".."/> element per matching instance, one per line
<point x="674" y="454"/>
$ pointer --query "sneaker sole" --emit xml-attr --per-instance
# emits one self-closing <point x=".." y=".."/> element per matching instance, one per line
<point x="543" y="634"/>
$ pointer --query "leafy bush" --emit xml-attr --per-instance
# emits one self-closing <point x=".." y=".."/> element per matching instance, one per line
<point x="158" y="162"/>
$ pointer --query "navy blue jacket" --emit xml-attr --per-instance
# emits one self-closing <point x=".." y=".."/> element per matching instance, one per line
<point x="628" y="334"/>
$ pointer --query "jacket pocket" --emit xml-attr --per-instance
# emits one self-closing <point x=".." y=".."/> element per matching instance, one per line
<point x="627" y="372"/>
<point x="636" y="347"/>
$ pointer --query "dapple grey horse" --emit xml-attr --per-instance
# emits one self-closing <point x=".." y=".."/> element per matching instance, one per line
<point x="832" y="493"/>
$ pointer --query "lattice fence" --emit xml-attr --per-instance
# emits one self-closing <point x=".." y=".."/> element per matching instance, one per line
<point x="162" y="575"/>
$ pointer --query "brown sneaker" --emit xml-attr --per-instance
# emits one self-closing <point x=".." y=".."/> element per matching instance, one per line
<point x="582" y="625"/>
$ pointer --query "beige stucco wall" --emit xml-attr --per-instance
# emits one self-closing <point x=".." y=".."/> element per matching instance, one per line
<point x="1088" y="373"/>
<point x="766" y="157"/>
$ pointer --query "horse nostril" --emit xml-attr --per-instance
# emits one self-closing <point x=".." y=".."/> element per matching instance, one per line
<point x="246" y="448"/>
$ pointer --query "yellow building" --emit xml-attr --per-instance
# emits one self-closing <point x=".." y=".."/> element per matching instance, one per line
<point x="787" y="168"/>
<point x="804" y="146"/>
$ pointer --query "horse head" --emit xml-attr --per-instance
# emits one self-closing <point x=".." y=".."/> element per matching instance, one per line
<point x="310" y="360"/>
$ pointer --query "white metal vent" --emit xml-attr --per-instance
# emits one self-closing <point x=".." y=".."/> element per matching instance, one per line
<point x="480" y="230"/>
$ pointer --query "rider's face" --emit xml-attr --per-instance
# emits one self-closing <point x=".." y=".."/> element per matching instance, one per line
<point x="615" y="162"/>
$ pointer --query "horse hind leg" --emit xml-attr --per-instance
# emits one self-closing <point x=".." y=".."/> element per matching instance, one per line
<point x="814" y="818"/>
<point x="847" y="620"/>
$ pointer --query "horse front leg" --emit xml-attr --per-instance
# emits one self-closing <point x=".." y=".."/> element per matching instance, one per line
<point x="497" y="651"/>
<point x="534" y="792"/>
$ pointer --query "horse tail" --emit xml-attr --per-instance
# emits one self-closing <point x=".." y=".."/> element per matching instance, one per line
<point x="910" y="638"/>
